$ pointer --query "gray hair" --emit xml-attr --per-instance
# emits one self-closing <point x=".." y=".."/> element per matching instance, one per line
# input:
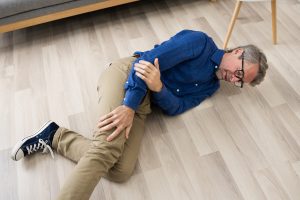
<point x="254" y="55"/>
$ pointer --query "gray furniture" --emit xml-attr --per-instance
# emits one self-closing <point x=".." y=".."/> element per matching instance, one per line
<point x="16" y="14"/>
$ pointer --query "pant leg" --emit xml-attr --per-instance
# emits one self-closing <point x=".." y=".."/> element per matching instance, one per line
<point x="73" y="145"/>
<point x="125" y="165"/>
<point x="70" y="144"/>
<point x="101" y="155"/>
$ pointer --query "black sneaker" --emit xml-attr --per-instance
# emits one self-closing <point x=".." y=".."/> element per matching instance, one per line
<point x="41" y="140"/>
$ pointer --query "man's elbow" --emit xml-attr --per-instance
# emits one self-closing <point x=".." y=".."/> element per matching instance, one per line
<point x="173" y="112"/>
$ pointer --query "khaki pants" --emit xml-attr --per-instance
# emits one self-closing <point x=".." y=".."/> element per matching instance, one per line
<point x="98" y="158"/>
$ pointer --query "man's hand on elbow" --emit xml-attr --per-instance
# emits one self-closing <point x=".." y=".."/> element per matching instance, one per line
<point x="121" y="118"/>
<point x="150" y="74"/>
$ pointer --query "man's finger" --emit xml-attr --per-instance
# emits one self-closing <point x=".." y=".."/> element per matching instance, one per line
<point x="143" y="67"/>
<point x="106" y="116"/>
<point x="149" y="64"/>
<point x="127" y="131"/>
<point x="108" y="127"/>
<point x="141" y="75"/>
<point x="105" y="122"/>
<point x="156" y="64"/>
<point x="114" y="134"/>
<point x="141" y="71"/>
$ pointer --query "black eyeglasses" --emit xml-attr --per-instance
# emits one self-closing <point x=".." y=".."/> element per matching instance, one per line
<point x="240" y="74"/>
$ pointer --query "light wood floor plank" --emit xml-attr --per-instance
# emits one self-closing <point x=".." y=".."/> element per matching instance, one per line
<point x="231" y="154"/>
<point x="270" y="184"/>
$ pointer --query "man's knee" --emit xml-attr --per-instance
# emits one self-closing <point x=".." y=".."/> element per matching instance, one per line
<point x="119" y="175"/>
<point x="101" y="150"/>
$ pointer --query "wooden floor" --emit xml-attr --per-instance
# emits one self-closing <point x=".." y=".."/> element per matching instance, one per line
<point x="239" y="144"/>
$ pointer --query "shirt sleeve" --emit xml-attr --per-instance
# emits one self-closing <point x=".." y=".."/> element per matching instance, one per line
<point x="174" y="105"/>
<point x="183" y="46"/>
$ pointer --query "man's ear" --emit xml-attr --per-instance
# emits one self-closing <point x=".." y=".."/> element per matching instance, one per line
<point x="238" y="51"/>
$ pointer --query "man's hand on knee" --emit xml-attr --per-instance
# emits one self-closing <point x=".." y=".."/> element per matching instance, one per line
<point x="121" y="118"/>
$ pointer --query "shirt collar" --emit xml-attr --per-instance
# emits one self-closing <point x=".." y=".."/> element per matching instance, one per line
<point x="217" y="57"/>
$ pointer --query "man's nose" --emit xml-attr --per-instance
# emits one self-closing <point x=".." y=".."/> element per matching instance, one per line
<point x="233" y="78"/>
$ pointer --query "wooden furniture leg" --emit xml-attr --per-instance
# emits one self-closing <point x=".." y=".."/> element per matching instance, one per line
<point x="274" y="23"/>
<point x="232" y="22"/>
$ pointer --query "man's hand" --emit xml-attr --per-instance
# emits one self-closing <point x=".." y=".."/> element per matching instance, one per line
<point x="150" y="74"/>
<point x="121" y="118"/>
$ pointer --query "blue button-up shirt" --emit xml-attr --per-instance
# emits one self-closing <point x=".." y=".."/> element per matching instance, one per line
<point x="187" y="63"/>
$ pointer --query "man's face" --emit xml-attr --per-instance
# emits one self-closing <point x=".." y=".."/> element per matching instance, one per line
<point x="235" y="70"/>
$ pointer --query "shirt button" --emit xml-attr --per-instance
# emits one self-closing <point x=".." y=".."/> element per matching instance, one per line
<point x="124" y="99"/>
<point x="126" y="81"/>
<point x="216" y="67"/>
<point x="177" y="90"/>
<point x="196" y="84"/>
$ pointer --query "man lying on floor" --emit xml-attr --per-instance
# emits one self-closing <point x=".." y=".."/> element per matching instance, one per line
<point x="176" y="75"/>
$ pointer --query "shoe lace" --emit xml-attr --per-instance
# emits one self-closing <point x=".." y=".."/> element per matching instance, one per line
<point x="40" y="145"/>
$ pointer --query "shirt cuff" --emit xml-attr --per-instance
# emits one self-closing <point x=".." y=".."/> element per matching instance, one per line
<point x="162" y="94"/>
<point x="133" y="98"/>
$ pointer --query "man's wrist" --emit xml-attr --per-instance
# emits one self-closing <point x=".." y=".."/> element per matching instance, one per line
<point x="159" y="88"/>
<point x="129" y="109"/>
